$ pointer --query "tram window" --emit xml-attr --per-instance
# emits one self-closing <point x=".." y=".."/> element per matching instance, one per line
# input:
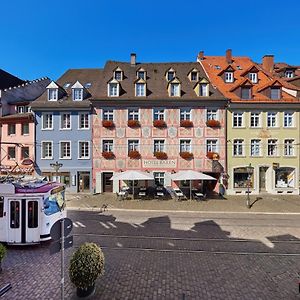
<point x="32" y="214"/>
<point x="1" y="206"/>
<point x="14" y="214"/>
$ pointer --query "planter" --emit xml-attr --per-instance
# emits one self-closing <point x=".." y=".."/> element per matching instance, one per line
<point x="108" y="124"/>
<point x="213" y="123"/>
<point x="134" y="154"/>
<point x="83" y="293"/>
<point x="159" y="123"/>
<point x="212" y="155"/>
<point x="187" y="155"/>
<point x="160" y="155"/>
<point x="186" y="123"/>
<point x="133" y="123"/>
<point x="108" y="155"/>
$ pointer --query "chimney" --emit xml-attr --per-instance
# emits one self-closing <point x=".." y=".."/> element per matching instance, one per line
<point x="201" y="55"/>
<point x="268" y="63"/>
<point x="229" y="56"/>
<point x="133" y="59"/>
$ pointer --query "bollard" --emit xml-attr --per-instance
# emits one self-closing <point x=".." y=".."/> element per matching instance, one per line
<point x="4" y="289"/>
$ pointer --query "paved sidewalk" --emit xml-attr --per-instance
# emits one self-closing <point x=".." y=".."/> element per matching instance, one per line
<point x="260" y="204"/>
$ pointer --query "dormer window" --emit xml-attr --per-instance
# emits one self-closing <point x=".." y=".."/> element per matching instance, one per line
<point x="140" y="89"/>
<point x="289" y="74"/>
<point x="175" y="90"/>
<point x="246" y="93"/>
<point x="228" y="76"/>
<point x="204" y="90"/>
<point x="141" y="75"/>
<point x="275" y="93"/>
<point x="170" y="74"/>
<point x="113" y="89"/>
<point x="77" y="94"/>
<point x="194" y="76"/>
<point x="118" y="75"/>
<point x="253" y="77"/>
<point x="52" y="94"/>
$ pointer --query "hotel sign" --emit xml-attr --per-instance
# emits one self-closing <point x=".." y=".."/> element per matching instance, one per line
<point x="159" y="163"/>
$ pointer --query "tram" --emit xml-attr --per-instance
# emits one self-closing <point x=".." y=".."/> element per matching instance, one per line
<point x="28" y="209"/>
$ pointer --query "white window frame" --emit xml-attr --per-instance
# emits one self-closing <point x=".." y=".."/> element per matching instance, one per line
<point x="161" y="143"/>
<point x="60" y="150"/>
<point x="52" y="94"/>
<point x="62" y="121"/>
<point x="270" y="117"/>
<point x="133" y="113"/>
<point x="175" y="89"/>
<point x="212" y="145"/>
<point x="77" y="94"/>
<point x="43" y="123"/>
<point x="194" y="72"/>
<point x="20" y="109"/>
<point x="42" y="148"/>
<point x="255" y="146"/>
<point x="253" y="76"/>
<point x="159" y="111"/>
<point x="131" y="142"/>
<point x="238" y="116"/>
<point x="169" y="74"/>
<point x="113" y="92"/>
<point x="212" y="114"/>
<point x="107" y="114"/>
<point x="82" y="141"/>
<point x="79" y="121"/>
<point x="238" y="148"/>
<point x="255" y="116"/>
<point x="121" y="75"/>
<point x="272" y="143"/>
<point x="185" y="114"/>
<point x="160" y="176"/>
<point x="141" y="77"/>
<point x="140" y="89"/>
<point x="107" y="145"/>
<point x="288" y="117"/>
<point x="203" y="89"/>
<point x="288" y="74"/>
<point x="185" y="145"/>
<point x="228" y="76"/>
<point x="289" y="147"/>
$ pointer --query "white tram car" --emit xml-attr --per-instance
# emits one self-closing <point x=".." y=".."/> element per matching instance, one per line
<point x="29" y="209"/>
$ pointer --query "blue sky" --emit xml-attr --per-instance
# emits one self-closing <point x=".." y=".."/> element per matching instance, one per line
<point x="45" y="38"/>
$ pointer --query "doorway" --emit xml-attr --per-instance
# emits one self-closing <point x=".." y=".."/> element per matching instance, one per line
<point x="84" y="181"/>
<point x="107" y="183"/>
<point x="262" y="178"/>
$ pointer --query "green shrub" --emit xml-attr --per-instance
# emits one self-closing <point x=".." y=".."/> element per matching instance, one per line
<point x="86" y="264"/>
<point x="2" y="252"/>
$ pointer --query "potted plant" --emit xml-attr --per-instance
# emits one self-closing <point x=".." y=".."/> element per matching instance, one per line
<point x="133" y="123"/>
<point x="108" y="124"/>
<point x="160" y="155"/>
<point x="213" y="123"/>
<point x="134" y="154"/>
<point x="2" y="255"/>
<point x="187" y="155"/>
<point x="159" y="123"/>
<point x="186" y="123"/>
<point x="108" y="154"/>
<point x="212" y="155"/>
<point x="86" y="265"/>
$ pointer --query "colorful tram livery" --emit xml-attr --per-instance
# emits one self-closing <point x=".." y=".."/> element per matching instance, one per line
<point x="28" y="210"/>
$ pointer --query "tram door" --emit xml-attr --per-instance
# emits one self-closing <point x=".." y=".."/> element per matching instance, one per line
<point x="23" y="218"/>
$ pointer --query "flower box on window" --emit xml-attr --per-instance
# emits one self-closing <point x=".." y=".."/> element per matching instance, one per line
<point x="212" y="155"/>
<point x="160" y="155"/>
<point x="108" y="124"/>
<point x="213" y="123"/>
<point x="159" y="123"/>
<point x="134" y="154"/>
<point x="187" y="155"/>
<point x="186" y="123"/>
<point x="133" y="123"/>
<point x="108" y="154"/>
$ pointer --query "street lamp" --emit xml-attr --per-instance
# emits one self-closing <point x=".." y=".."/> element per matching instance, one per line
<point x="56" y="167"/>
<point x="250" y="172"/>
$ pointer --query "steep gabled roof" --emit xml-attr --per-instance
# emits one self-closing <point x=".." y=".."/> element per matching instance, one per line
<point x="8" y="80"/>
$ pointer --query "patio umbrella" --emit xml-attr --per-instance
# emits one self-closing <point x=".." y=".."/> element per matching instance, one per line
<point x="190" y="175"/>
<point x="132" y="175"/>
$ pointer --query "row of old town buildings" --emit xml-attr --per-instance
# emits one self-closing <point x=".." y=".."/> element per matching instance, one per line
<point x="226" y="116"/>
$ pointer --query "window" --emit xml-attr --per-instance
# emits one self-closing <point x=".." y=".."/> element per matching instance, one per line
<point x="87" y="85"/>
<point x="107" y="145"/>
<point x="141" y="75"/>
<point x="1" y="206"/>
<point x="255" y="148"/>
<point x="11" y="153"/>
<point x="288" y="119"/>
<point x="175" y="89"/>
<point x="211" y="146"/>
<point x="253" y="77"/>
<point x="275" y="93"/>
<point x="24" y="152"/>
<point x="52" y="94"/>
<point x="158" y="114"/>
<point x="238" y="147"/>
<point x="170" y="75"/>
<point x="47" y="150"/>
<point x="77" y="94"/>
<point x="238" y="119"/>
<point x="242" y="179"/>
<point x="118" y="75"/>
<point x="289" y="147"/>
<point x="185" y="114"/>
<point x="11" y="129"/>
<point x="27" y="109"/>
<point x="255" y="119"/>
<point x="33" y="214"/>
<point x="84" y="150"/>
<point x="140" y="89"/>
<point x="133" y="114"/>
<point x="133" y="145"/>
<point x="84" y="121"/>
<point x="159" y="178"/>
<point x="25" y="128"/>
<point x="65" y="121"/>
<point x="204" y="90"/>
<point x="159" y="146"/>
<point x="108" y="114"/>
<point x="65" y="150"/>
<point x="272" y="119"/>
<point x="194" y="76"/>
<point x="228" y="76"/>
<point x="246" y="93"/>
<point x="185" y="146"/>
<point x="14" y="214"/>
<point x="47" y="121"/>
<point x="289" y="74"/>
<point x="285" y="177"/>
<point x="113" y="89"/>
<point x="272" y="147"/>
<point x="211" y="114"/>
<point x="20" y="109"/>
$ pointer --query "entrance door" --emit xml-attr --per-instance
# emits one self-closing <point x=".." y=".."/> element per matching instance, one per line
<point x="84" y="181"/>
<point x="23" y="224"/>
<point x="107" y="183"/>
<point x="262" y="178"/>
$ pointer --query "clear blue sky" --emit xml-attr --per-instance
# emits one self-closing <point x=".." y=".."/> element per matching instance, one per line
<point x="45" y="38"/>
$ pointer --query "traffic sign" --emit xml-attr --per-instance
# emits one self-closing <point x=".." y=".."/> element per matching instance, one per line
<point x="56" y="245"/>
<point x="55" y="231"/>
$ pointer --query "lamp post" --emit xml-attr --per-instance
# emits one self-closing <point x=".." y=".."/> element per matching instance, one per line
<point x="250" y="172"/>
<point x="56" y="167"/>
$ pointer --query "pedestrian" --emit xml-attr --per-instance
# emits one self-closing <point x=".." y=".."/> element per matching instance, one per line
<point x="221" y="190"/>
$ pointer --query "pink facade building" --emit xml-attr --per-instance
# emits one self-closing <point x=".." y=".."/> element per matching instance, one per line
<point x="159" y="118"/>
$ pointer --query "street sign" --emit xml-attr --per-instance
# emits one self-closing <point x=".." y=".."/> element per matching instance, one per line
<point x="56" y="245"/>
<point x="55" y="231"/>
